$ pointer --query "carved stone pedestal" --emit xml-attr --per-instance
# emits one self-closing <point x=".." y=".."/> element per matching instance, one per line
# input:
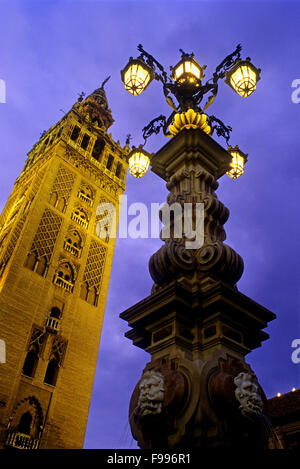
<point x="197" y="391"/>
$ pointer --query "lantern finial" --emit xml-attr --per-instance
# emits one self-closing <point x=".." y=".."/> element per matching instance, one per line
<point x="242" y="77"/>
<point x="238" y="161"/>
<point x="139" y="160"/>
<point x="136" y="76"/>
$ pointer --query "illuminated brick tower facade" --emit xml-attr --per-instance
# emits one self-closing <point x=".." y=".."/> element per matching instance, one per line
<point x="54" y="275"/>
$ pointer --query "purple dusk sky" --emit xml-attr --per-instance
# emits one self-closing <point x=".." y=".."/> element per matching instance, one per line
<point x="53" y="50"/>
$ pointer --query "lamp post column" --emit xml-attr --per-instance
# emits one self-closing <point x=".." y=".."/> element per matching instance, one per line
<point x="197" y="390"/>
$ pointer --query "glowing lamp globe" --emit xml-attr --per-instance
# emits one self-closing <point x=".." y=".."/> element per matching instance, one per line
<point x="136" y="76"/>
<point x="238" y="161"/>
<point x="138" y="161"/>
<point x="188" y="71"/>
<point x="242" y="77"/>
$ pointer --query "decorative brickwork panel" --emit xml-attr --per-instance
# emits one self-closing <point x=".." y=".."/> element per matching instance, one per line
<point x="12" y="235"/>
<point x="37" y="183"/>
<point x="58" y="349"/>
<point x="95" y="265"/>
<point x="13" y="241"/>
<point x="46" y="234"/>
<point x="7" y="209"/>
<point x="63" y="183"/>
<point x="37" y="337"/>
<point x="104" y="218"/>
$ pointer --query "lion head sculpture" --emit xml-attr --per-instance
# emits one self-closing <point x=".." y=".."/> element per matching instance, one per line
<point x="152" y="390"/>
<point x="247" y="394"/>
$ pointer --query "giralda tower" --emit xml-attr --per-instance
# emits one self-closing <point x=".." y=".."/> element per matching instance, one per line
<point x="54" y="275"/>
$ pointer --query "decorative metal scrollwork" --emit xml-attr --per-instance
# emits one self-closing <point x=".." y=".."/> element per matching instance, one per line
<point x="187" y="101"/>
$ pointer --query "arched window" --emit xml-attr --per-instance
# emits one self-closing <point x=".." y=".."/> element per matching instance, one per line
<point x="30" y="362"/>
<point x="31" y="260"/>
<point x="55" y="313"/>
<point x="86" y="194"/>
<point x="75" y="133"/>
<point x="38" y="265"/>
<point x="52" y="371"/>
<point x="73" y="243"/>
<point x="41" y="267"/>
<point x="25" y="422"/>
<point x="110" y="161"/>
<point x="85" y="141"/>
<point x="98" y="148"/>
<point x="61" y="204"/>
<point x="90" y="295"/>
<point x="26" y="418"/>
<point x="64" y="277"/>
<point x="106" y="231"/>
<point x="119" y="170"/>
<point x="84" y="291"/>
<point x="66" y="272"/>
<point x="53" y="199"/>
<point x="93" y="297"/>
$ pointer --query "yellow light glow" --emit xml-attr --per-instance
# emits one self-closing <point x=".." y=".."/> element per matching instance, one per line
<point x="294" y="389"/>
<point x="238" y="159"/>
<point x="243" y="78"/>
<point x="190" y="120"/>
<point x="136" y="77"/>
<point x="278" y="394"/>
<point x="138" y="164"/>
<point x="188" y="67"/>
<point x="179" y="71"/>
<point x="196" y="71"/>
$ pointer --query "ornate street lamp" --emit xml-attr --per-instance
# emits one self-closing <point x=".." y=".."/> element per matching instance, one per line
<point x="136" y="76"/>
<point x="196" y="324"/>
<point x="185" y="86"/>
<point x="187" y="72"/>
<point x="239" y="159"/>
<point x="242" y="77"/>
<point x="138" y="160"/>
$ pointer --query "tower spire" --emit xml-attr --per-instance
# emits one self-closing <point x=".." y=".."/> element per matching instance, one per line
<point x="95" y="106"/>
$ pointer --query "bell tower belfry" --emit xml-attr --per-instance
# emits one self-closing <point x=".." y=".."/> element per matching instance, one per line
<point x="55" y="263"/>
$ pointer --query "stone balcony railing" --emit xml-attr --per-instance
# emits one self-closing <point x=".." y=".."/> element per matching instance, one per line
<point x="72" y="249"/>
<point x="85" y="198"/>
<point x="21" y="441"/>
<point x="79" y="220"/>
<point x="52" y="324"/>
<point x="62" y="283"/>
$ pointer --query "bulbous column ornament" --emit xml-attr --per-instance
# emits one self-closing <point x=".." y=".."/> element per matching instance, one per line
<point x="194" y="182"/>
